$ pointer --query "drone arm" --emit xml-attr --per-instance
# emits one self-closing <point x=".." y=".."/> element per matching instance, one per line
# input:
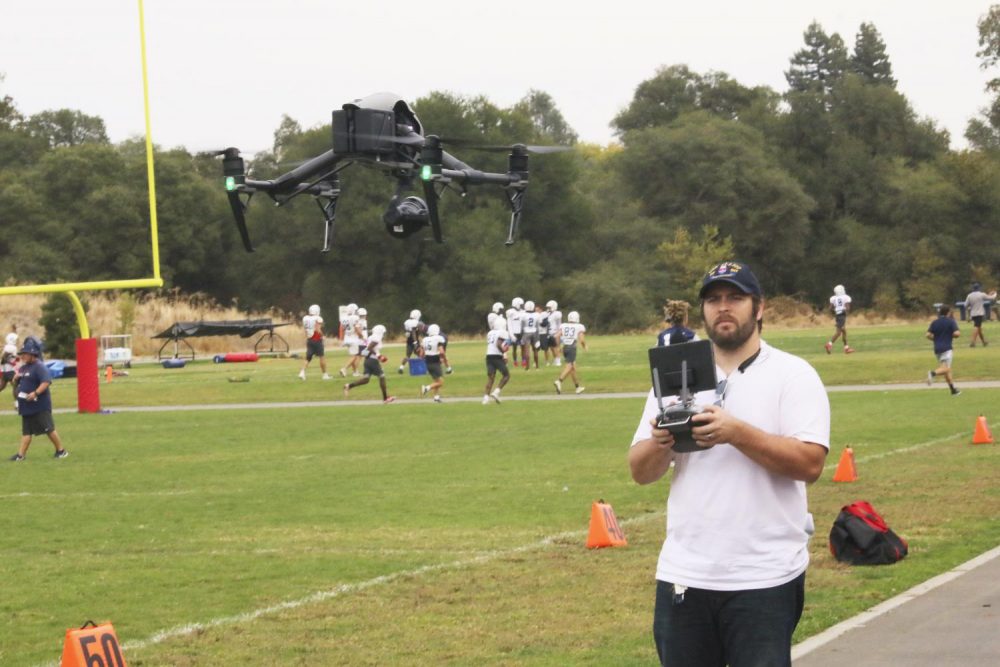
<point x="516" y="198"/>
<point x="431" y="196"/>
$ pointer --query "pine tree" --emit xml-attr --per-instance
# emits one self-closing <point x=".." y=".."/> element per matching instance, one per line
<point x="820" y="65"/>
<point x="870" y="59"/>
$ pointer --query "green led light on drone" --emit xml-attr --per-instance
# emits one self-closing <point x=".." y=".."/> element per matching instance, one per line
<point x="230" y="183"/>
<point x="426" y="172"/>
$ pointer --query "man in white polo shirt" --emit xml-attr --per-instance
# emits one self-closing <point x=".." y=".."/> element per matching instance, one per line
<point x="731" y="573"/>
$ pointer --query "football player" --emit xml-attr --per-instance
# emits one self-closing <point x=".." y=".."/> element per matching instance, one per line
<point x="514" y="327"/>
<point x="312" y="324"/>
<point x="433" y="351"/>
<point x="571" y="333"/>
<point x="373" y="360"/>
<point x="497" y="344"/>
<point x="840" y="304"/>
<point x="414" y="330"/>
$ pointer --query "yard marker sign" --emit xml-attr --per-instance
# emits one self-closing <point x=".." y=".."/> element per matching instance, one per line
<point x="93" y="646"/>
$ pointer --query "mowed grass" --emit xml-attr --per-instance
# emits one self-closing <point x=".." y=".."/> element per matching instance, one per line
<point x="884" y="354"/>
<point x="432" y="534"/>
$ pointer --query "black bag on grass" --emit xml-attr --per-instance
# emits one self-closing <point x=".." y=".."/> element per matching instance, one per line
<point x="861" y="537"/>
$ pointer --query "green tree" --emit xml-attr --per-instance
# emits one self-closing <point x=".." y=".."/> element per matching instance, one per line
<point x="61" y="328"/>
<point x="870" y="60"/>
<point x="818" y="66"/>
<point x="66" y="127"/>
<point x="688" y="258"/>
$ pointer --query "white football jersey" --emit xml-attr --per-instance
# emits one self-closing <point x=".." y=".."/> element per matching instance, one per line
<point x="349" y="322"/>
<point x="840" y="303"/>
<point x="363" y="327"/>
<point x="529" y="322"/>
<point x="495" y="341"/>
<point x="514" y="320"/>
<point x="555" y="321"/>
<point x="310" y="324"/>
<point x="373" y="338"/>
<point x="570" y="332"/>
<point x="431" y="345"/>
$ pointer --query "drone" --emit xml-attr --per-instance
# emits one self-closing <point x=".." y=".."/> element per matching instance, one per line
<point x="383" y="132"/>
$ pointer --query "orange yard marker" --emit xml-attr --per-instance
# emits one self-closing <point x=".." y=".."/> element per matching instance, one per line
<point x="109" y="372"/>
<point x="604" y="528"/>
<point x="90" y="646"/>
<point x="982" y="435"/>
<point x="846" y="470"/>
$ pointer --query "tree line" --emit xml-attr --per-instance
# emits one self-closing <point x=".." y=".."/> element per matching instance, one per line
<point x="834" y="180"/>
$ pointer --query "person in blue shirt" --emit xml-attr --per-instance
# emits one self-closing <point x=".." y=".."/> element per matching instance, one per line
<point x="676" y="314"/>
<point x="943" y="331"/>
<point x="34" y="400"/>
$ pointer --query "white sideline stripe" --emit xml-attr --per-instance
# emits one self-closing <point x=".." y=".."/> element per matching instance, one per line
<point x="901" y="450"/>
<point x="865" y="617"/>
<point x="346" y="589"/>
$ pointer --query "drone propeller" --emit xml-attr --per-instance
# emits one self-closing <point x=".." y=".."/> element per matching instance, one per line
<point x="538" y="150"/>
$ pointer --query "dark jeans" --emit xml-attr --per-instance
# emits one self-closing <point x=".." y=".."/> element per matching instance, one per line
<point x="750" y="628"/>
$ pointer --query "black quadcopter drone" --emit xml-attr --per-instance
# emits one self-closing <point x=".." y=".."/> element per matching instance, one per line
<point x="381" y="131"/>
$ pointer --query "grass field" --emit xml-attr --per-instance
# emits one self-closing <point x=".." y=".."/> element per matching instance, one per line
<point x="417" y="533"/>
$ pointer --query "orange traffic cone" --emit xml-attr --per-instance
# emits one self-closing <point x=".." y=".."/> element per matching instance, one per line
<point x="846" y="471"/>
<point x="982" y="435"/>
<point x="604" y="528"/>
<point x="94" y="645"/>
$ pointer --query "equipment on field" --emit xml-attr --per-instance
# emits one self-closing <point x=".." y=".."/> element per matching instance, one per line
<point x="381" y="131"/>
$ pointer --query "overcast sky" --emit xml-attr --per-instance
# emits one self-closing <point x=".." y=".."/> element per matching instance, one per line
<point x="222" y="72"/>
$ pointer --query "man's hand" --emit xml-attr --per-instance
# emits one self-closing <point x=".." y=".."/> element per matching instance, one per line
<point x="714" y="425"/>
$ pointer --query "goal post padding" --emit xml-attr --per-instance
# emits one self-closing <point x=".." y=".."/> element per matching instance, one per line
<point x="88" y="393"/>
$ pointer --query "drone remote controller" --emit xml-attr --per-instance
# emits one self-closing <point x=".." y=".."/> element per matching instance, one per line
<point x="677" y="418"/>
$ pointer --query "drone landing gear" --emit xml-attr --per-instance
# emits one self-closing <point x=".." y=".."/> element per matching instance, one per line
<point x="516" y="199"/>
<point x="328" y="204"/>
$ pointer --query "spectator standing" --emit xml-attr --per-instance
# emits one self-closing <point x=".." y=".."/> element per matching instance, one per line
<point x="730" y="581"/>
<point x="975" y="306"/>
<point x="676" y="314"/>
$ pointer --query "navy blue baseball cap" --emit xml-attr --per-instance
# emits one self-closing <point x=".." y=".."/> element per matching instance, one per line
<point x="734" y="273"/>
<point x="31" y="346"/>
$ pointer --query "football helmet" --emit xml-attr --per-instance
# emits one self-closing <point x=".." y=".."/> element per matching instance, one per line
<point x="497" y="307"/>
<point x="573" y="317"/>
<point x="529" y="305"/>
<point x="362" y="312"/>
<point x="433" y="330"/>
<point x="517" y="302"/>
<point x="314" y="309"/>
<point x="352" y="308"/>
<point x="414" y="314"/>
<point x="552" y="306"/>
<point x="839" y="290"/>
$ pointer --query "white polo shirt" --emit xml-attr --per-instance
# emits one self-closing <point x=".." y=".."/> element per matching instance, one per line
<point x="731" y="524"/>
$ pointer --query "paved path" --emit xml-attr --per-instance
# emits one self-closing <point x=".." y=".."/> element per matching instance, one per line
<point x="950" y="620"/>
<point x="475" y="399"/>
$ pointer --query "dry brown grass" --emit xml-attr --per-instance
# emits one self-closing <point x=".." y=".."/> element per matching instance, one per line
<point x="153" y="313"/>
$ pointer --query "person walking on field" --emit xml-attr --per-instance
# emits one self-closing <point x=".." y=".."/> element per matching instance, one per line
<point x="571" y="333"/>
<point x="943" y="331"/>
<point x="730" y="580"/>
<point x="975" y="306"/>
<point x="34" y="401"/>
<point x="497" y="343"/>
<point x="432" y="350"/>
<point x="840" y="304"/>
<point x="312" y="324"/>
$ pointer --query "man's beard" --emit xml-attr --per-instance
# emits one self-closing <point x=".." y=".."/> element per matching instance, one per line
<point x="734" y="339"/>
